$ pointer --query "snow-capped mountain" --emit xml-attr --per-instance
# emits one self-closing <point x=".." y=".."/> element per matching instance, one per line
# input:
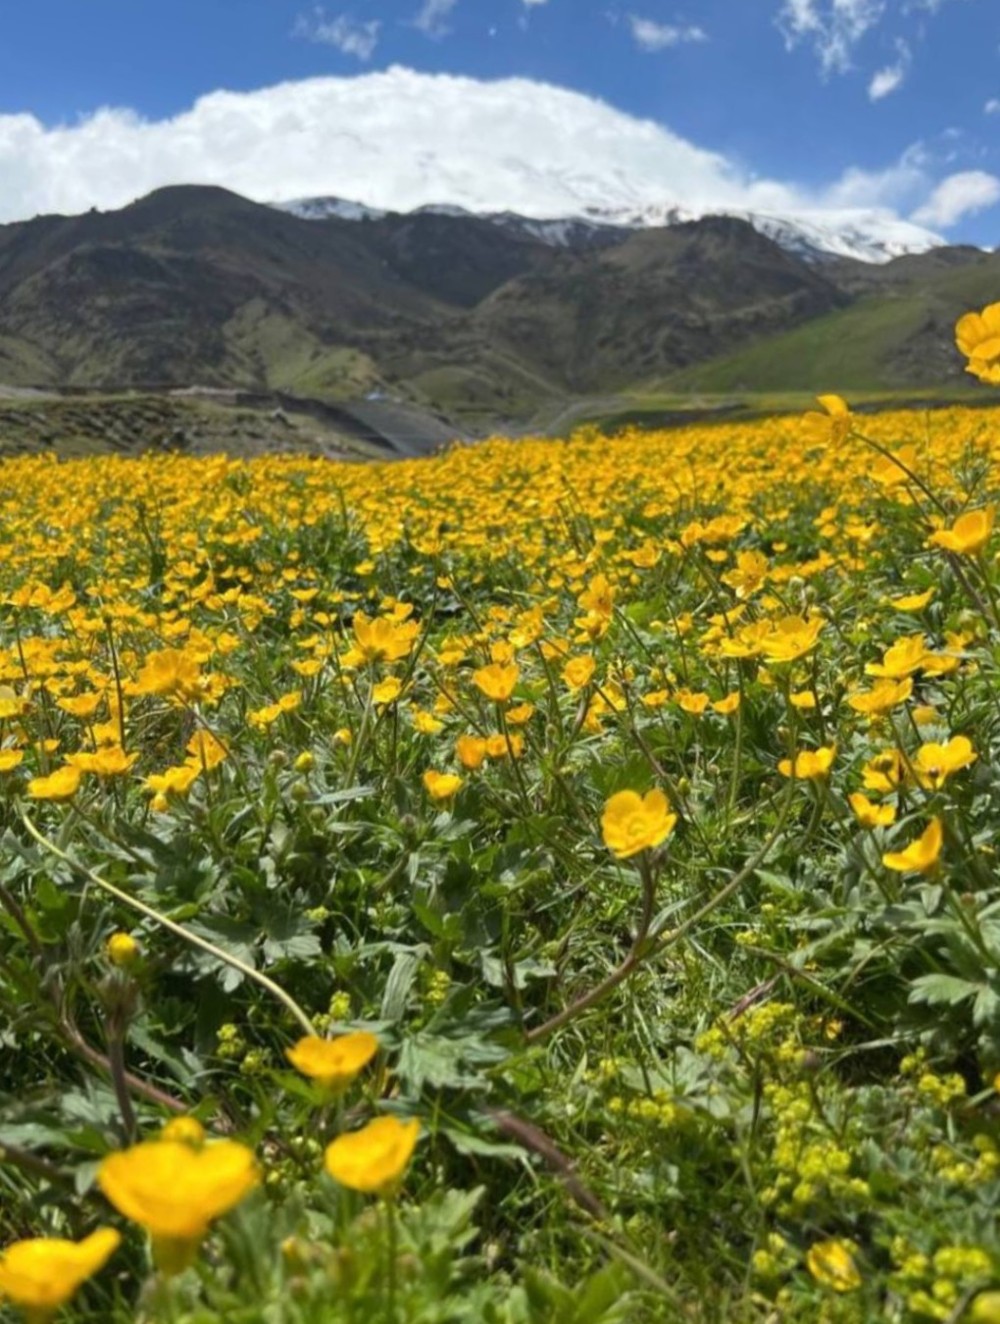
<point x="865" y="235"/>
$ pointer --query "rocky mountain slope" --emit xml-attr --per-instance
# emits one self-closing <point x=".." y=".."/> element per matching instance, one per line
<point x="195" y="285"/>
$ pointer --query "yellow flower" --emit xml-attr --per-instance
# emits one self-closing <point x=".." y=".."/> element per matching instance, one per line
<point x="205" y="751"/>
<point x="62" y="784"/>
<point x="804" y="700"/>
<point x="10" y="758"/>
<point x="175" y="1191"/>
<point x="441" y="785"/>
<point x="935" y="763"/>
<point x="913" y="601"/>
<point x="831" y="1263"/>
<point x="978" y="337"/>
<point x="497" y="681"/>
<point x="471" y="751"/>
<point x="832" y="425"/>
<point x="871" y="815"/>
<point x="387" y="691"/>
<point x="122" y="949"/>
<point x="177" y="780"/>
<point x="790" y="638"/>
<point x="904" y="658"/>
<point x="885" y="772"/>
<point x="691" y="702"/>
<point x="169" y="671"/>
<point x="42" y="1274"/>
<point x="920" y="856"/>
<point x="881" y="698"/>
<point x="632" y="823"/>
<point x="426" y="723"/>
<point x="521" y="714"/>
<point x="81" y="705"/>
<point x="333" y="1063"/>
<point x="810" y="764"/>
<point x="727" y="705"/>
<point x="374" y="1159"/>
<point x="382" y="639"/>
<point x="578" y="671"/>
<point x="111" y="761"/>
<point x="968" y="535"/>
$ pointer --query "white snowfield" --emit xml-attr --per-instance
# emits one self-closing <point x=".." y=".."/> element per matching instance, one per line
<point x="867" y="235"/>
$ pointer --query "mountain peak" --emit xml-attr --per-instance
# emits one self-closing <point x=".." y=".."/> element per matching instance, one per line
<point x="866" y="235"/>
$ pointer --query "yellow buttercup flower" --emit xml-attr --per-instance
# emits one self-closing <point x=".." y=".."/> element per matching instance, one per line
<point x="913" y="601"/>
<point x="333" y="1063"/>
<point x="833" y="425"/>
<point x="728" y="705"/>
<point x="809" y="764"/>
<point x="870" y="815"/>
<point x="441" y="785"/>
<point x="497" y="681"/>
<point x="62" y="784"/>
<point x="978" y="337"/>
<point x="885" y="772"/>
<point x="205" y="751"/>
<point x="177" y="780"/>
<point x="175" y="1191"/>
<point x="471" y="751"/>
<point x="832" y="1264"/>
<point x="934" y="763"/>
<point x="42" y="1274"/>
<point x="374" y="1159"/>
<point x="169" y="672"/>
<point x="387" y="691"/>
<point x="632" y="823"/>
<point x="578" y="671"/>
<point x="881" y="698"/>
<point x="790" y="638"/>
<point x="903" y="658"/>
<point x="968" y="535"/>
<point x="383" y="639"/>
<point x="920" y="856"/>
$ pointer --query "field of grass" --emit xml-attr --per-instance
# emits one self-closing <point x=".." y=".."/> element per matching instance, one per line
<point x="554" y="882"/>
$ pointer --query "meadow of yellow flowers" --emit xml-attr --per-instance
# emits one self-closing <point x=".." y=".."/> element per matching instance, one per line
<point x="551" y="881"/>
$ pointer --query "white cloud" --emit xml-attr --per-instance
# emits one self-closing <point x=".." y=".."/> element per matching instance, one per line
<point x="892" y="77"/>
<point x="348" y="36"/>
<point x="958" y="196"/>
<point x="650" y="36"/>
<point x="432" y="17"/>
<point x="530" y="4"/>
<point x="399" y="139"/>
<point x="833" y="27"/>
<point x="992" y="107"/>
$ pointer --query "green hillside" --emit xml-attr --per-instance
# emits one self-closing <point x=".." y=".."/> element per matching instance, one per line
<point x="897" y="338"/>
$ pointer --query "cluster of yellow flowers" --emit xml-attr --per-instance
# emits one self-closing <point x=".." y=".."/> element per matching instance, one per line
<point x="176" y="1185"/>
<point x="500" y="612"/>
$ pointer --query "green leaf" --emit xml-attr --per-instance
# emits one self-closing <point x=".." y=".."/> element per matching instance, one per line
<point x="942" y="990"/>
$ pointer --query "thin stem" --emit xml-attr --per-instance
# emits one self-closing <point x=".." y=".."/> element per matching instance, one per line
<point x="192" y="939"/>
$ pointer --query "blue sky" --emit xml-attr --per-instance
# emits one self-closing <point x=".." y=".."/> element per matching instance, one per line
<point x="844" y="102"/>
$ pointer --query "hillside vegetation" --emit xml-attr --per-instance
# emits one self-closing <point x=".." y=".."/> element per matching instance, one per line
<point x="197" y="286"/>
<point x="547" y="883"/>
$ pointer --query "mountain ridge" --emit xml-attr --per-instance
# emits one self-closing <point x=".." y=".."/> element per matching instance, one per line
<point x="194" y="285"/>
<point x="864" y="234"/>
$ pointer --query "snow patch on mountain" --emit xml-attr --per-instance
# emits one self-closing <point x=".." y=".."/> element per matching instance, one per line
<point x="865" y="234"/>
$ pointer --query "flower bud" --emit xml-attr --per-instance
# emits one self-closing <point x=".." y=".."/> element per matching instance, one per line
<point x="122" y="950"/>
